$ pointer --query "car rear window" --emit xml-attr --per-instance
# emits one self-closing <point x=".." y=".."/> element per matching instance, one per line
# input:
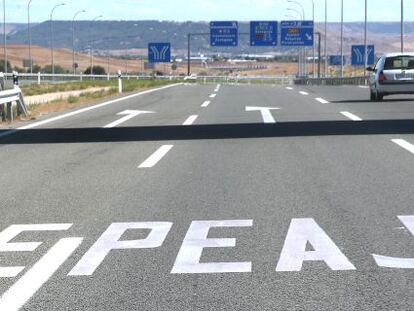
<point x="399" y="62"/>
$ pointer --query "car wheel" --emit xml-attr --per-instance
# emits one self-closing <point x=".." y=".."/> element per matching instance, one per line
<point x="373" y="96"/>
<point x="380" y="97"/>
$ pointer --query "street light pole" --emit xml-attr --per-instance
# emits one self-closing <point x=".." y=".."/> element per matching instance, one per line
<point x="313" y="48"/>
<point x="30" y="36"/>
<point x="365" y="39"/>
<point x="91" y="49"/>
<point x="51" y="36"/>
<point x="326" y="37"/>
<point x="402" y="26"/>
<point x="302" y="50"/>
<point x="5" y="39"/>
<point x="342" y="38"/>
<point x="300" y="67"/>
<point x="73" y="40"/>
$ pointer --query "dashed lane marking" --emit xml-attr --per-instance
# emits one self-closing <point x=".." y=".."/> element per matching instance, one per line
<point x="303" y="93"/>
<point x="289" y="88"/>
<point x="404" y="144"/>
<point x="190" y="120"/>
<point x="351" y="116"/>
<point x="206" y="103"/>
<point x="156" y="156"/>
<point x="321" y="100"/>
<point x="213" y="95"/>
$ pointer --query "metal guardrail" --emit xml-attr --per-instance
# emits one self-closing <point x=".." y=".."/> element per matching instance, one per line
<point x="332" y="81"/>
<point x="7" y="98"/>
<point x="40" y="78"/>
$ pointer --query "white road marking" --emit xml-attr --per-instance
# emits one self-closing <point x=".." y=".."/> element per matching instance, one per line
<point x="190" y="120"/>
<point x="21" y="291"/>
<point x="111" y="240"/>
<point x="404" y="144"/>
<point x="303" y="232"/>
<point x="321" y="100"/>
<point x="213" y="95"/>
<point x="217" y="88"/>
<point x="304" y="93"/>
<point x="289" y="88"/>
<point x="10" y="272"/>
<point x="396" y="262"/>
<point x="196" y="239"/>
<point x="129" y="114"/>
<point x="206" y="103"/>
<point x="363" y="86"/>
<point x="156" y="156"/>
<point x="74" y="113"/>
<point x="265" y="111"/>
<point x="351" y="116"/>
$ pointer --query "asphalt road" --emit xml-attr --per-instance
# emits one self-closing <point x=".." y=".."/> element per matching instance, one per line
<point x="138" y="215"/>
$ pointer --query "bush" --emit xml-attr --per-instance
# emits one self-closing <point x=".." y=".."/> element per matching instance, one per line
<point x="73" y="99"/>
<point x="9" y="67"/>
<point x="97" y="70"/>
<point x="58" y="69"/>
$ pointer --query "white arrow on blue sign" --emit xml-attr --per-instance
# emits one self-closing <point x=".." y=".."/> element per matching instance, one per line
<point x="159" y="52"/>
<point x="358" y="55"/>
<point x="224" y="33"/>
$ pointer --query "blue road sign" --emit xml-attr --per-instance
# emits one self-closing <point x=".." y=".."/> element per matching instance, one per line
<point x="263" y="33"/>
<point x="224" y="33"/>
<point x="358" y="55"/>
<point x="296" y="33"/>
<point x="159" y="52"/>
<point x="335" y="60"/>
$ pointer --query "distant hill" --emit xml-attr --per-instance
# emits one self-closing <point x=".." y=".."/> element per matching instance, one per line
<point x="118" y="35"/>
<point x="12" y="28"/>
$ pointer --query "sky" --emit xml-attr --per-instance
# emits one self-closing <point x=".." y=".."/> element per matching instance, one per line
<point x="205" y="10"/>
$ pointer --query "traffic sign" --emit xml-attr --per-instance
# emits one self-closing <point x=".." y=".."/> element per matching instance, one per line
<point x="358" y="55"/>
<point x="224" y="33"/>
<point x="159" y="52"/>
<point x="297" y="33"/>
<point x="263" y="33"/>
<point x="335" y="60"/>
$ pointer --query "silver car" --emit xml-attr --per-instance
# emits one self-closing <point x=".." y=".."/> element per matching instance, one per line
<point x="393" y="74"/>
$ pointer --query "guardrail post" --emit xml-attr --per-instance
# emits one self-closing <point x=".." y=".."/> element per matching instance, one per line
<point x="10" y="112"/>
<point x="81" y="76"/>
<point x="119" y="82"/>
<point x="2" y="83"/>
<point x="38" y="78"/>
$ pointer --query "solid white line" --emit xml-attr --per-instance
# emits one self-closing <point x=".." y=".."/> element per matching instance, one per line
<point x="404" y="144"/>
<point x="351" y="116"/>
<point x="206" y="103"/>
<point x="190" y="120"/>
<point x="70" y="114"/>
<point x="289" y="88"/>
<point x="304" y="93"/>
<point x="156" y="156"/>
<point x="21" y="291"/>
<point x="213" y="95"/>
<point x="363" y="86"/>
<point x="321" y="100"/>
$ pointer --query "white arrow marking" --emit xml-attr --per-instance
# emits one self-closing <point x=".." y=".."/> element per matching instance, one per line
<point x="129" y="114"/>
<point x="265" y="111"/>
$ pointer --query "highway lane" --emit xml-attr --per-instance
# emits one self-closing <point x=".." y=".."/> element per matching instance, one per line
<point x="354" y="187"/>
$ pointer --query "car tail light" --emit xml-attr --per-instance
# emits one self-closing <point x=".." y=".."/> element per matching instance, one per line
<point x="382" y="77"/>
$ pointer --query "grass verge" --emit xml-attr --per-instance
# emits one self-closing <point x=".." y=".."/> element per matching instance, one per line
<point x="85" y="98"/>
